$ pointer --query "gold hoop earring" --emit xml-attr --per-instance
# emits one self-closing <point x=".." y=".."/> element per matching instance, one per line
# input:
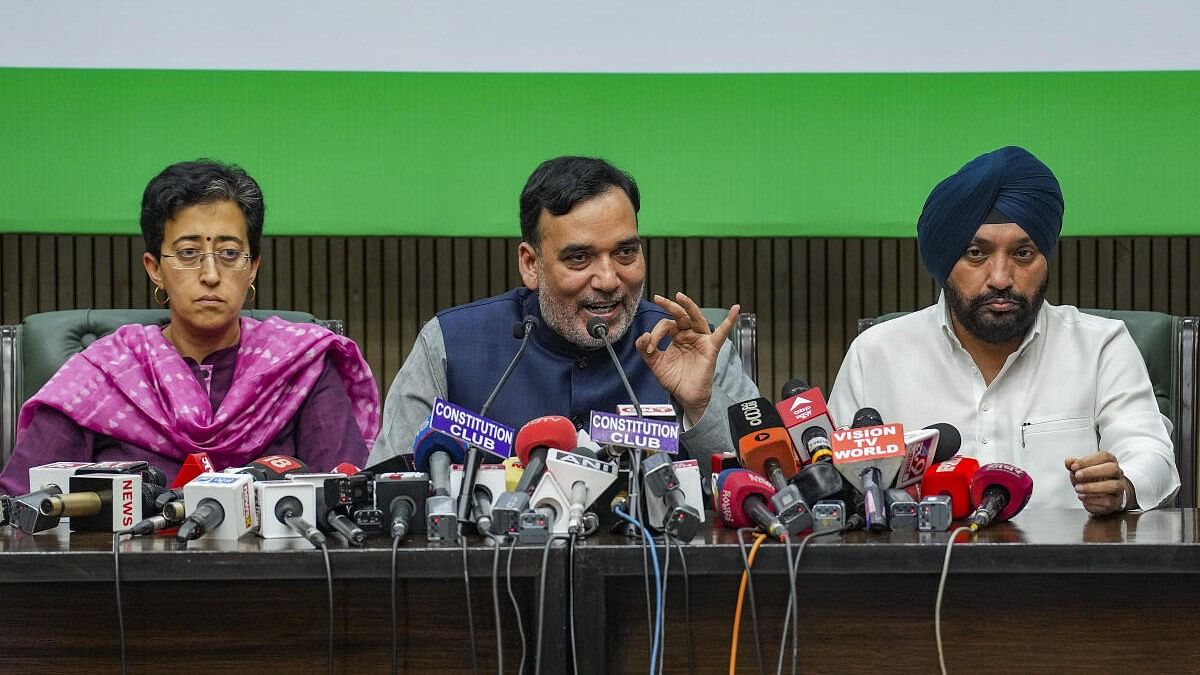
<point x="251" y="293"/>
<point x="156" y="291"/>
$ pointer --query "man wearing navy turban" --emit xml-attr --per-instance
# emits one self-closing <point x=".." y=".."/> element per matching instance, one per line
<point x="1062" y="394"/>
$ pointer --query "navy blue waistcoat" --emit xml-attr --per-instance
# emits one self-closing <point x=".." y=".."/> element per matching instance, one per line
<point x="555" y="377"/>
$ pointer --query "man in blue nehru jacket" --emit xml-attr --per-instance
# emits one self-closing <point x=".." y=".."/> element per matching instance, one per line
<point x="1061" y="394"/>
<point x="580" y="257"/>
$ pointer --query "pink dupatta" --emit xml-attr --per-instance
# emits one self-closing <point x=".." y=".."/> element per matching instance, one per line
<point x="133" y="386"/>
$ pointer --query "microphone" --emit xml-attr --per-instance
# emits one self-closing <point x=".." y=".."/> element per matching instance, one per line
<point x="345" y="468"/>
<point x="402" y="496"/>
<point x="902" y="510"/>
<point x="24" y="512"/>
<point x="802" y="407"/>
<point x="218" y="504"/>
<point x="923" y="448"/>
<point x="289" y="510"/>
<point x="1000" y="491"/>
<point x="547" y="515"/>
<point x="434" y="453"/>
<point x="815" y="440"/>
<point x="681" y="520"/>
<point x="949" y="441"/>
<point x="866" y="417"/>
<point x="793" y="387"/>
<point x="271" y="467"/>
<point x="740" y="500"/>
<point x="532" y="443"/>
<point x="598" y="329"/>
<point x="535" y="440"/>
<point x="104" y="502"/>
<point x="869" y="455"/>
<point x="763" y="444"/>
<point x="584" y="476"/>
<point x="466" y="489"/>
<point x="952" y="478"/>
<point x="288" y="501"/>
<point x="765" y="447"/>
<point x="193" y="465"/>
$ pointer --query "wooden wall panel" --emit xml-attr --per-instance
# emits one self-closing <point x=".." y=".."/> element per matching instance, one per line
<point x="807" y="293"/>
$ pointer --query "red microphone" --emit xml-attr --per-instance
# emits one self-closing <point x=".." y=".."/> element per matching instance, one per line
<point x="953" y="479"/>
<point x="194" y="464"/>
<point x="740" y="500"/>
<point x="1000" y="491"/>
<point x="345" y="468"/>
<point x="534" y="441"/>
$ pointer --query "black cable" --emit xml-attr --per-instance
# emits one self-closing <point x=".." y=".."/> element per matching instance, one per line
<point x="635" y="511"/>
<point x="787" y="547"/>
<point x="541" y="612"/>
<point x="795" y="565"/>
<point x="687" y="603"/>
<point x="120" y="610"/>
<point x="395" y="621"/>
<point x="516" y="608"/>
<point x="329" y="581"/>
<point x="571" y="600"/>
<point x="662" y="608"/>
<point x="470" y="613"/>
<point x="750" y="588"/>
<point x="496" y="605"/>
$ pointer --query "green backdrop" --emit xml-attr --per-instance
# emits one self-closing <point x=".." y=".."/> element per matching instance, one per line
<point x="716" y="155"/>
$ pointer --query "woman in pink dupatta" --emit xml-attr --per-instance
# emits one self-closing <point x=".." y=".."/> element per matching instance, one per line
<point x="210" y="380"/>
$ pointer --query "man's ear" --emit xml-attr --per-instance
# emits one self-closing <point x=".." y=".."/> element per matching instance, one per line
<point x="527" y="262"/>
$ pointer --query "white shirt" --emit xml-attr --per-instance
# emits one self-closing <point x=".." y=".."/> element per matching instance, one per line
<point x="1077" y="384"/>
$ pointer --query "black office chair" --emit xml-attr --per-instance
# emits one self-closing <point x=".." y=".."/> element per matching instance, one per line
<point x="33" y="350"/>
<point x="744" y="337"/>
<point x="1168" y="345"/>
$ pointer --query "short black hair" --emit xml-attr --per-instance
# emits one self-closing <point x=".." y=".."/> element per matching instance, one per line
<point x="558" y="184"/>
<point x="203" y="181"/>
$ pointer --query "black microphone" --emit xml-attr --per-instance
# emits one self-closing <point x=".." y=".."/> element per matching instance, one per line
<point x="466" y="488"/>
<point x="866" y="417"/>
<point x="949" y="441"/>
<point x="793" y="387"/>
<point x="207" y="515"/>
<point x="598" y="329"/>
<point x="290" y="511"/>
<point x="875" y="509"/>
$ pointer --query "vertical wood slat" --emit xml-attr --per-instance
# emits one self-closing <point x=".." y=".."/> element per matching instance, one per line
<point x="807" y="293"/>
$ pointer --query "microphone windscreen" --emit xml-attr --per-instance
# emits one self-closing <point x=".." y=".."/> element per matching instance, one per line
<point x="584" y="451"/>
<point x="821" y="480"/>
<point x="866" y="417"/>
<point x="275" y="467"/>
<point x="1012" y="479"/>
<point x="430" y="441"/>
<point x="345" y="468"/>
<point x="758" y="432"/>
<point x="597" y="328"/>
<point x="734" y="486"/>
<point x="949" y="441"/>
<point x="154" y="476"/>
<point x="953" y="479"/>
<point x="551" y="431"/>
<point x="793" y="387"/>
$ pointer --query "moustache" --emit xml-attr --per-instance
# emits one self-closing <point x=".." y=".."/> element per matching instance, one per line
<point x="601" y="300"/>
<point x="1020" y="300"/>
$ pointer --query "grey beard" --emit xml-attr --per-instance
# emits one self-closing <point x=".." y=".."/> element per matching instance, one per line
<point x="564" y="322"/>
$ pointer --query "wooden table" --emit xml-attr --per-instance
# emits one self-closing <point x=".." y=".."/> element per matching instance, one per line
<point x="1054" y="591"/>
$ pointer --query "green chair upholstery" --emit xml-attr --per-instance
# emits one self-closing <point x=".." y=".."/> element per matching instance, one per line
<point x="1169" y="348"/>
<point x="33" y="350"/>
<point x="744" y="337"/>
